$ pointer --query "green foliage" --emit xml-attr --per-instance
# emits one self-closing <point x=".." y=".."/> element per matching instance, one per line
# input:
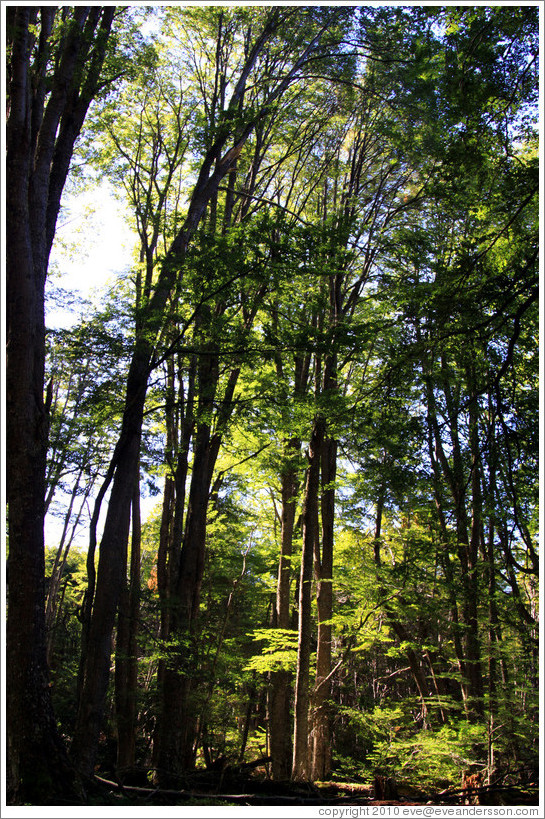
<point x="66" y="635"/>
<point x="378" y="224"/>
<point x="433" y="758"/>
<point x="278" y="651"/>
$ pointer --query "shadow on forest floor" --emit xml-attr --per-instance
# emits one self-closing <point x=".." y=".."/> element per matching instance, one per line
<point x="224" y="791"/>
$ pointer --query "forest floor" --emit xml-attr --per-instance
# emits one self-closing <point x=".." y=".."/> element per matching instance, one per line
<point x="226" y="790"/>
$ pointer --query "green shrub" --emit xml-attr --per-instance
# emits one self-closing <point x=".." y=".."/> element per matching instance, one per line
<point x="432" y="758"/>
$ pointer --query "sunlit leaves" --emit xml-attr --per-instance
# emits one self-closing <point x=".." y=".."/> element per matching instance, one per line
<point x="278" y="651"/>
<point x="379" y="224"/>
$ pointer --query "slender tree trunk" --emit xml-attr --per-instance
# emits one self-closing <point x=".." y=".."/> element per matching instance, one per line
<point x="60" y="562"/>
<point x="280" y="690"/>
<point x="323" y="569"/>
<point x="176" y="752"/>
<point x="168" y="561"/>
<point x="111" y="570"/>
<point x="280" y="684"/>
<point x="323" y="562"/>
<point x="475" y="540"/>
<point x="301" y="739"/>
<point x="495" y="630"/>
<point x="166" y="553"/>
<point x="252" y="698"/>
<point x="467" y="539"/>
<point x="494" y="640"/>
<point x="178" y="714"/>
<point x="444" y="554"/>
<point x="178" y="734"/>
<point x="178" y="720"/>
<point x="468" y="649"/>
<point x="126" y="661"/>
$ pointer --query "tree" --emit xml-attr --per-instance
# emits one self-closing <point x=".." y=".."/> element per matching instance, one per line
<point x="55" y="63"/>
<point x="326" y="348"/>
<point x="126" y="661"/>
<point x="222" y="147"/>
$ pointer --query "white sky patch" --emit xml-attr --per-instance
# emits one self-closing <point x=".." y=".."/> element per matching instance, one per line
<point x="94" y="244"/>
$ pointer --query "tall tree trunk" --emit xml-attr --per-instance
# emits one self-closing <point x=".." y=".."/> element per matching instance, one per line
<point x="35" y="752"/>
<point x="467" y="539"/>
<point x="39" y="148"/>
<point x="176" y="458"/>
<point x="171" y="536"/>
<point x="445" y="540"/>
<point x="301" y="739"/>
<point x="111" y="570"/>
<point x="323" y="570"/>
<point x="475" y="541"/>
<point x="126" y="659"/>
<point x="178" y="734"/>
<point x="178" y="717"/>
<point x="323" y="562"/>
<point x="280" y="688"/>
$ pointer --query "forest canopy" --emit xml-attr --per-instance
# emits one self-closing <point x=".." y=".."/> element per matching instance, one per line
<point x="272" y="494"/>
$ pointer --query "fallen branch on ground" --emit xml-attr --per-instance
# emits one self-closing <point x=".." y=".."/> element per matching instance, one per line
<point x="243" y="799"/>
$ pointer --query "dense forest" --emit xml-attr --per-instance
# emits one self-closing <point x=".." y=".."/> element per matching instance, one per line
<point x="272" y="500"/>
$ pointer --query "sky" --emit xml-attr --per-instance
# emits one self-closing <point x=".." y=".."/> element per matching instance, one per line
<point x="93" y="245"/>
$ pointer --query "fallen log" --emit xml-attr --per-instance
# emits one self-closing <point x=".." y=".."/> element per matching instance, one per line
<point x="275" y="798"/>
<point x="241" y="799"/>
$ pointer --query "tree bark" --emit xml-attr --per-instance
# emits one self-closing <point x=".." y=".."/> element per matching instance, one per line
<point x="323" y="570"/>
<point x="280" y="688"/>
<point x="178" y="717"/>
<point x="38" y="156"/>
<point x="445" y="540"/>
<point x="171" y="534"/>
<point x="126" y="660"/>
<point x="476" y="538"/>
<point x="467" y="537"/>
<point x="111" y="570"/>
<point x="301" y="739"/>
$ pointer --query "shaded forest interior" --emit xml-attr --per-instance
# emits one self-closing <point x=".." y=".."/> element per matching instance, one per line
<point x="272" y="493"/>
